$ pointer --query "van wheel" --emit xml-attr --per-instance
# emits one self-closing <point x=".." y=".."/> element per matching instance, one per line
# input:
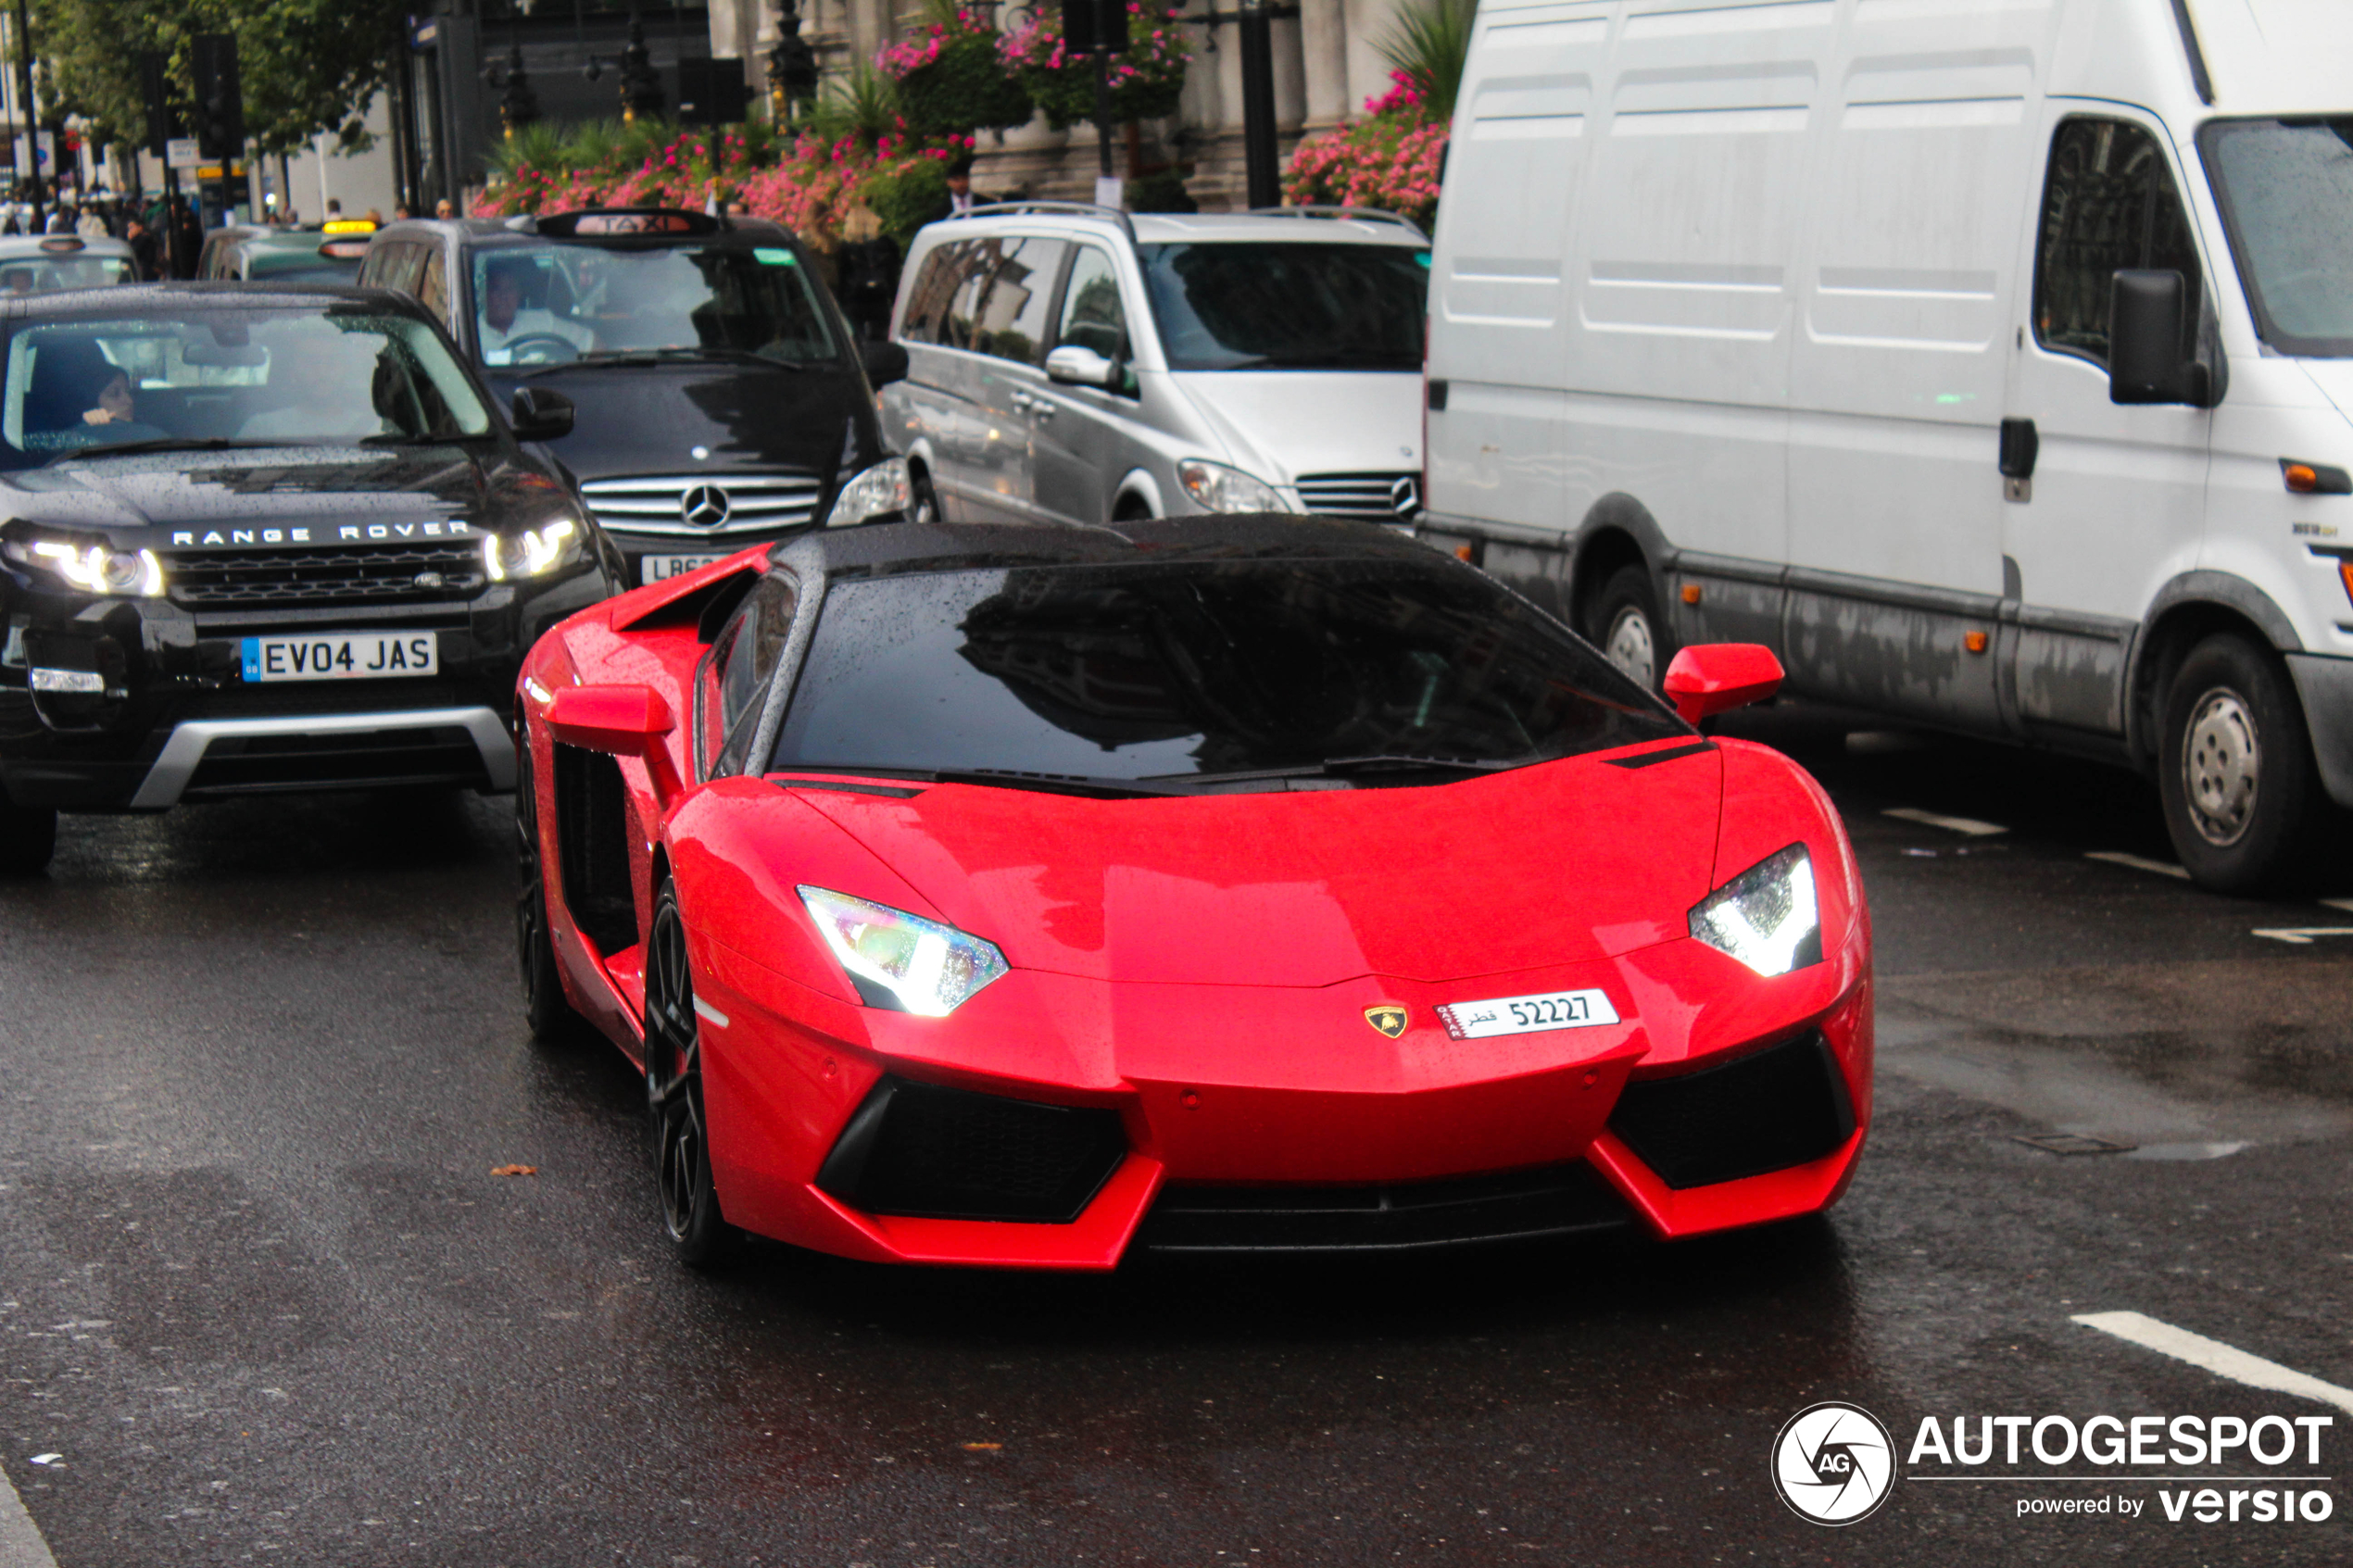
<point x="1627" y="627"/>
<point x="2243" y="799"/>
<point x="27" y="837"/>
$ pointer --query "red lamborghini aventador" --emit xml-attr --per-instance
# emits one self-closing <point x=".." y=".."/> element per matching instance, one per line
<point x="1019" y="897"/>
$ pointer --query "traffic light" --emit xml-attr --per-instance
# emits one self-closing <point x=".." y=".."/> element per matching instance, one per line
<point x="1088" y="25"/>
<point x="220" y="106"/>
<point x="162" y="124"/>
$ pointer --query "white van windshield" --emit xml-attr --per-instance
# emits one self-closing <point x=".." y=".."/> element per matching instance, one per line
<point x="1288" y="307"/>
<point x="2285" y="188"/>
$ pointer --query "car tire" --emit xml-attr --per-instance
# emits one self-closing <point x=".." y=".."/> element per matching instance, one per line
<point x="551" y="1018"/>
<point x="27" y="837"/>
<point x="922" y="500"/>
<point x="699" y="1235"/>
<point x="2243" y="798"/>
<point x="1626" y="626"/>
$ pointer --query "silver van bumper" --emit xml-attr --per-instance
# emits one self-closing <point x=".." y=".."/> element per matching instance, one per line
<point x="184" y="751"/>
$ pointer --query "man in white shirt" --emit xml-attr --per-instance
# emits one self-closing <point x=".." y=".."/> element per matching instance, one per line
<point x="505" y="321"/>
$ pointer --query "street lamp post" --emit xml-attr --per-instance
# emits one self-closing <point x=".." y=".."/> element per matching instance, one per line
<point x="792" y="66"/>
<point x="31" y="130"/>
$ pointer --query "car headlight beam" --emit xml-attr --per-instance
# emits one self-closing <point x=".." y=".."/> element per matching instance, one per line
<point x="1222" y="489"/>
<point x="928" y="969"/>
<point x="532" y="553"/>
<point x="1766" y="917"/>
<point x="884" y="490"/>
<point x="96" y="569"/>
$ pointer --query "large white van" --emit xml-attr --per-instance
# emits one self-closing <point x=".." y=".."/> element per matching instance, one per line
<point x="1992" y="360"/>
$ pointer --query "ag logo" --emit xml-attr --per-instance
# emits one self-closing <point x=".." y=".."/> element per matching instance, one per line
<point x="1834" y="1463"/>
<point x="1387" y="1016"/>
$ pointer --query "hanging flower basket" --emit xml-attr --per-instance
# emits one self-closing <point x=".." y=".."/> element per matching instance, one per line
<point x="951" y="81"/>
<point x="1146" y="81"/>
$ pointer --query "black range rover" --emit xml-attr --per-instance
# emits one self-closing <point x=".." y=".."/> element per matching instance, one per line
<point x="257" y="539"/>
<point x="722" y="399"/>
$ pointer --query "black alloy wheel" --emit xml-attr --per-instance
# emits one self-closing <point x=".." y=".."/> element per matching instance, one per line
<point x="27" y="837"/>
<point x="550" y="1017"/>
<point x="1627" y="627"/>
<point x="924" y="501"/>
<point x="2244" y="802"/>
<point x="673" y="1094"/>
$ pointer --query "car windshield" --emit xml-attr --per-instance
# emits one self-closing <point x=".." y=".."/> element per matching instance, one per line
<point x="1295" y="305"/>
<point x="44" y="274"/>
<point x="1179" y="672"/>
<point x="553" y="301"/>
<point x="2286" y="189"/>
<point x="195" y="379"/>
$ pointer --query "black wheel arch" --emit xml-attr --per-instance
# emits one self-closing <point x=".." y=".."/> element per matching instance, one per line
<point x="2189" y="609"/>
<point x="1618" y="531"/>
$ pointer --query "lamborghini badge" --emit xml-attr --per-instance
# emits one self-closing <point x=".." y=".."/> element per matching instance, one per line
<point x="1387" y="1016"/>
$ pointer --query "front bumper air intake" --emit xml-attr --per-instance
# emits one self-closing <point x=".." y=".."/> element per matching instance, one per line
<point x="929" y="1152"/>
<point x="1559" y="1200"/>
<point x="1781" y="1107"/>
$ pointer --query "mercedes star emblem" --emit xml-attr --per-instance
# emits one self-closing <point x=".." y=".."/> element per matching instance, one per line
<point x="1405" y="496"/>
<point x="704" y="506"/>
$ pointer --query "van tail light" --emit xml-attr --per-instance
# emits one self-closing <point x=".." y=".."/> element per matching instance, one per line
<point x="2345" y="575"/>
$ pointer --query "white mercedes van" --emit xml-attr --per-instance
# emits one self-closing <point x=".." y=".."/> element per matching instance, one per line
<point x="1992" y="362"/>
<point x="1074" y="364"/>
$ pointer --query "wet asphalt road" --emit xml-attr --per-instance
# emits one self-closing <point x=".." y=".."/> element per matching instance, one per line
<point x="262" y="1300"/>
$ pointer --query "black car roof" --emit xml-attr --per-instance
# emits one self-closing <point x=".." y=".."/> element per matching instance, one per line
<point x="220" y="294"/>
<point x="896" y="548"/>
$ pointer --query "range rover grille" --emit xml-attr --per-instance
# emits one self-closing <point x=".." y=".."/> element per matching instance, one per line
<point x="359" y="574"/>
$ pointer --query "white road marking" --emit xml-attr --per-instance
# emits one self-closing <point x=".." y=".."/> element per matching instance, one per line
<point x="2301" y="936"/>
<point x="2345" y="904"/>
<point x="20" y="1542"/>
<point x="2137" y="862"/>
<point x="709" y="1013"/>
<point x="1969" y="826"/>
<point x="2223" y="1361"/>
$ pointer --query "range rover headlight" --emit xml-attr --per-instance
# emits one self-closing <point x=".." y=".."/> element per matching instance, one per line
<point x="1765" y="917"/>
<point x="1222" y="489"/>
<point x="926" y="968"/>
<point x="532" y="553"/>
<point x="95" y="567"/>
<point x="884" y="490"/>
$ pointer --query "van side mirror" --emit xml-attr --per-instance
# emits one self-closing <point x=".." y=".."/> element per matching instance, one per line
<point x="885" y="362"/>
<point x="619" y="721"/>
<point x="1077" y="365"/>
<point x="1712" y="678"/>
<point x="541" y="413"/>
<point x="2148" y="320"/>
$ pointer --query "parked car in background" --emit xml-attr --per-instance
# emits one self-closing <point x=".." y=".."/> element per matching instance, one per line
<point x="1074" y="364"/>
<point x="41" y="263"/>
<point x="328" y="254"/>
<point x="1993" y="365"/>
<point x="721" y="399"/>
<point x="262" y="538"/>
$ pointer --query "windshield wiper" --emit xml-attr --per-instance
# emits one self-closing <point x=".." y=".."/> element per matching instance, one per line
<point x="1003" y="778"/>
<point x="1343" y="767"/>
<point x="160" y="443"/>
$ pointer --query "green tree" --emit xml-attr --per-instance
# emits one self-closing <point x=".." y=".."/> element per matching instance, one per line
<point x="307" y="67"/>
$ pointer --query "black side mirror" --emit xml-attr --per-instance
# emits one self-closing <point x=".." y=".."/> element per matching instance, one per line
<point x="2148" y="322"/>
<point x="541" y="414"/>
<point x="885" y="362"/>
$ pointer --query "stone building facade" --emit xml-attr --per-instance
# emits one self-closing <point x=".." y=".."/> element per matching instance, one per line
<point x="1328" y="63"/>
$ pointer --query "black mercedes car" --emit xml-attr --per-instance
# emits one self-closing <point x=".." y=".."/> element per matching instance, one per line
<point x="258" y="538"/>
<point x="723" y="400"/>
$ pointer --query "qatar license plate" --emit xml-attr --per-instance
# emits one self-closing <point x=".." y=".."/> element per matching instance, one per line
<point x="1526" y="1015"/>
<point x="343" y="656"/>
<point x="660" y="568"/>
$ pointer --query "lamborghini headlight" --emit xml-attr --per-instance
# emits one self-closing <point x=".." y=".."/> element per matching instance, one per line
<point x="95" y="568"/>
<point x="1221" y="489"/>
<point x="1766" y="916"/>
<point x="926" y="968"/>
<point x="884" y="490"/>
<point x="532" y="553"/>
